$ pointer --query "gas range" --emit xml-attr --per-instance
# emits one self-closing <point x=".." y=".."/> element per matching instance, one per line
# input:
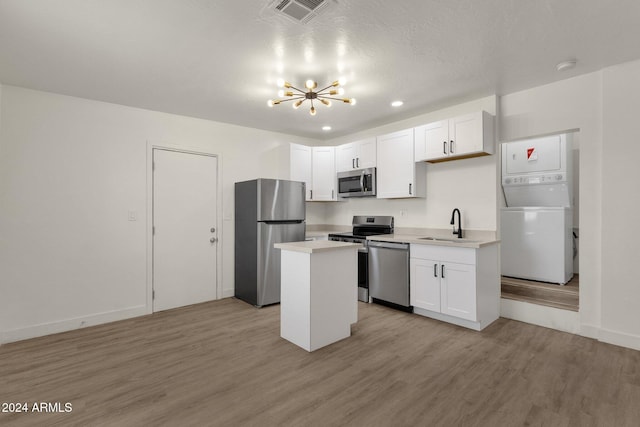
<point x="364" y="226"/>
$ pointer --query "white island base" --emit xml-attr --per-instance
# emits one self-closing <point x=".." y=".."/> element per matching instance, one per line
<point x="318" y="292"/>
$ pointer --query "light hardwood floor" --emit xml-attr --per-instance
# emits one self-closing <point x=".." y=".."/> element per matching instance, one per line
<point x="223" y="364"/>
<point x="565" y="297"/>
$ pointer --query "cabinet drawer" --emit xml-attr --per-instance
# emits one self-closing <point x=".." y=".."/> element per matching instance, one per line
<point x="444" y="253"/>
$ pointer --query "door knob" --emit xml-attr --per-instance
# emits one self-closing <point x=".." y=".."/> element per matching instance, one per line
<point x="213" y="240"/>
<point x="213" y="229"/>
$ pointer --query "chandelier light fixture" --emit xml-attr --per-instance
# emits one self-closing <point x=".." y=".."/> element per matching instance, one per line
<point x="324" y="95"/>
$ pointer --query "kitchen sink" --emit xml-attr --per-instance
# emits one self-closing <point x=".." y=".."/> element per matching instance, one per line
<point x="440" y="239"/>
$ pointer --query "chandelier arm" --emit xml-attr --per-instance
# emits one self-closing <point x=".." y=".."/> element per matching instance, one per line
<point x="301" y="91"/>
<point x="331" y="97"/>
<point x="330" y="86"/>
<point x="290" y="99"/>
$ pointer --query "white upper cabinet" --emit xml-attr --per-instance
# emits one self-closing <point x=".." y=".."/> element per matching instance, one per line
<point x="398" y="175"/>
<point x="470" y="135"/>
<point x="356" y="155"/>
<point x="323" y="186"/>
<point x="300" y="166"/>
<point x="431" y="140"/>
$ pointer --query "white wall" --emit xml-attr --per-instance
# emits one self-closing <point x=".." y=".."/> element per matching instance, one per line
<point x="469" y="184"/>
<point x="70" y="170"/>
<point x="601" y="103"/>
<point x="620" y="204"/>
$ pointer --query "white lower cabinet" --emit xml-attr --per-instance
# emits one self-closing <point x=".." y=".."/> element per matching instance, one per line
<point x="456" y="285"/>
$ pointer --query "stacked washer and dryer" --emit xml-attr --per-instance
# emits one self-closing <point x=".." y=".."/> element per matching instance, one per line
<point x="537" y="224"/>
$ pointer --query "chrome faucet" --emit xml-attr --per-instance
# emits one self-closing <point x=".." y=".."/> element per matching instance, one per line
<point x="453" y="222"/>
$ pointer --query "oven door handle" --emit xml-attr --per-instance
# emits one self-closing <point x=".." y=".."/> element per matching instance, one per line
<point x="362" y="181"/>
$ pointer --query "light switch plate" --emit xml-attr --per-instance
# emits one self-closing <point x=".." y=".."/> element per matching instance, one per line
<point x="133" y="216"/>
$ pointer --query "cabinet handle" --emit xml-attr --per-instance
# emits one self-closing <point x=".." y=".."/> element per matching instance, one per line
<point x="409" y="188"/>
<point x="332" y="192"/>
<point x="444" y="147"/>
<point x="435" y="270"/>
<point x="311" y="194"/>
<point x="451" y="147"/>
<point x="353" y="163"/>
<point x="358" y="162"/>
<point x="442" y="272"/>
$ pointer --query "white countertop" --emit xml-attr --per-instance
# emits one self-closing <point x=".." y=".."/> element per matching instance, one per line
<point x="438" y="240"/>
<point x="313" y="246"/>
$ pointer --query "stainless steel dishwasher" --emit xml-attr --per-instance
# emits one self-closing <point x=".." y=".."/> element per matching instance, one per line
<point x="389" y="274"/>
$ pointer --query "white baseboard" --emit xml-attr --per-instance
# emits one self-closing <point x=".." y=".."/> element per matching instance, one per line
<point x="619" y="338"/>
<point x="71" y="324"/>
<point x="227" y="293"/>
<point x="566" y="321"/>
<point x="548" y="317"/>
<point x="590" y="331"/>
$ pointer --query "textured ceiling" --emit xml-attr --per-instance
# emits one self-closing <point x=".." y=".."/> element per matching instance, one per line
<point x="220" y="59"/>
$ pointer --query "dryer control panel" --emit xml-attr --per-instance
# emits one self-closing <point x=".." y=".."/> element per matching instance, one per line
<point x="538" y="172"/>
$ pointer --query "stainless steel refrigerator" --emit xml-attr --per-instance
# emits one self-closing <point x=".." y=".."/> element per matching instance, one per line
<point x="267" y="211"/>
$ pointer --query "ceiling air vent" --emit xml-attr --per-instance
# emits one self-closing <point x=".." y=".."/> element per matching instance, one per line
<point x="301" y="10"/>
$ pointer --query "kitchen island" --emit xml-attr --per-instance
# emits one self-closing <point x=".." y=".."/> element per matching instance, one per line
<point x="318" y="292"/>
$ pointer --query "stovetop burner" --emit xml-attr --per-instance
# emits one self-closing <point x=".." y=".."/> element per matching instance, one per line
<point x="364" y="226"/>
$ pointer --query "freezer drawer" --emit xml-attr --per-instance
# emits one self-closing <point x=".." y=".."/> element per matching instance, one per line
<point x="268" y="287"/>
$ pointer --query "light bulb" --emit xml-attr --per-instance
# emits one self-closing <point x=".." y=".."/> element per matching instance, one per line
<point x="326" y="102"/>
<point x="310" y="84"/>
<point x="280" y="82"/>
<point x="270" y="103"/>
<point x="333" y="92"/>
<point x="342" y="81"/>
<point x="312" y="111"/>
<point x="297" y="104"/>
<point x="340" y="91"/>
<point x="352" y="101"/>
<point x="281" y="93"/>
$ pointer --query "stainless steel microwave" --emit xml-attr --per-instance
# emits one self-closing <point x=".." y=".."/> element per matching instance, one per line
<point x="357" y="183"/>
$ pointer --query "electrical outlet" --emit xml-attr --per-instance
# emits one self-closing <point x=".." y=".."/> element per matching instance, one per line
<point x="133" y="216"/>
<point x="403" y="213"/>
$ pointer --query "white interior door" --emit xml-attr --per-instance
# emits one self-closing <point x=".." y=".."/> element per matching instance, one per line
<point x="185" y="234"/>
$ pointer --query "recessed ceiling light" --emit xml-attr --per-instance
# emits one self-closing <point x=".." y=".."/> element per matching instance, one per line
<point x="396" y="103"/>
<point x="566" y="65"/>
<point x="326" y="128"/>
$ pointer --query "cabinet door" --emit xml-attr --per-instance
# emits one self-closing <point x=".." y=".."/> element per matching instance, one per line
<point x="432" y="141"/>
<point x="366" y="153"/>
<point x="345" y="157"/>
<point x="323" y="174"/>
<point x="425" y="284"/>
<point x="300" y="166"/>
<point x="465" y="134"/>
<point x="396" y="169"/>
<point x="458" y="289"/>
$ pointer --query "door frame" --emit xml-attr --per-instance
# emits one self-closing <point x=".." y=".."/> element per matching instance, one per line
<point x="188" y="150"/>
